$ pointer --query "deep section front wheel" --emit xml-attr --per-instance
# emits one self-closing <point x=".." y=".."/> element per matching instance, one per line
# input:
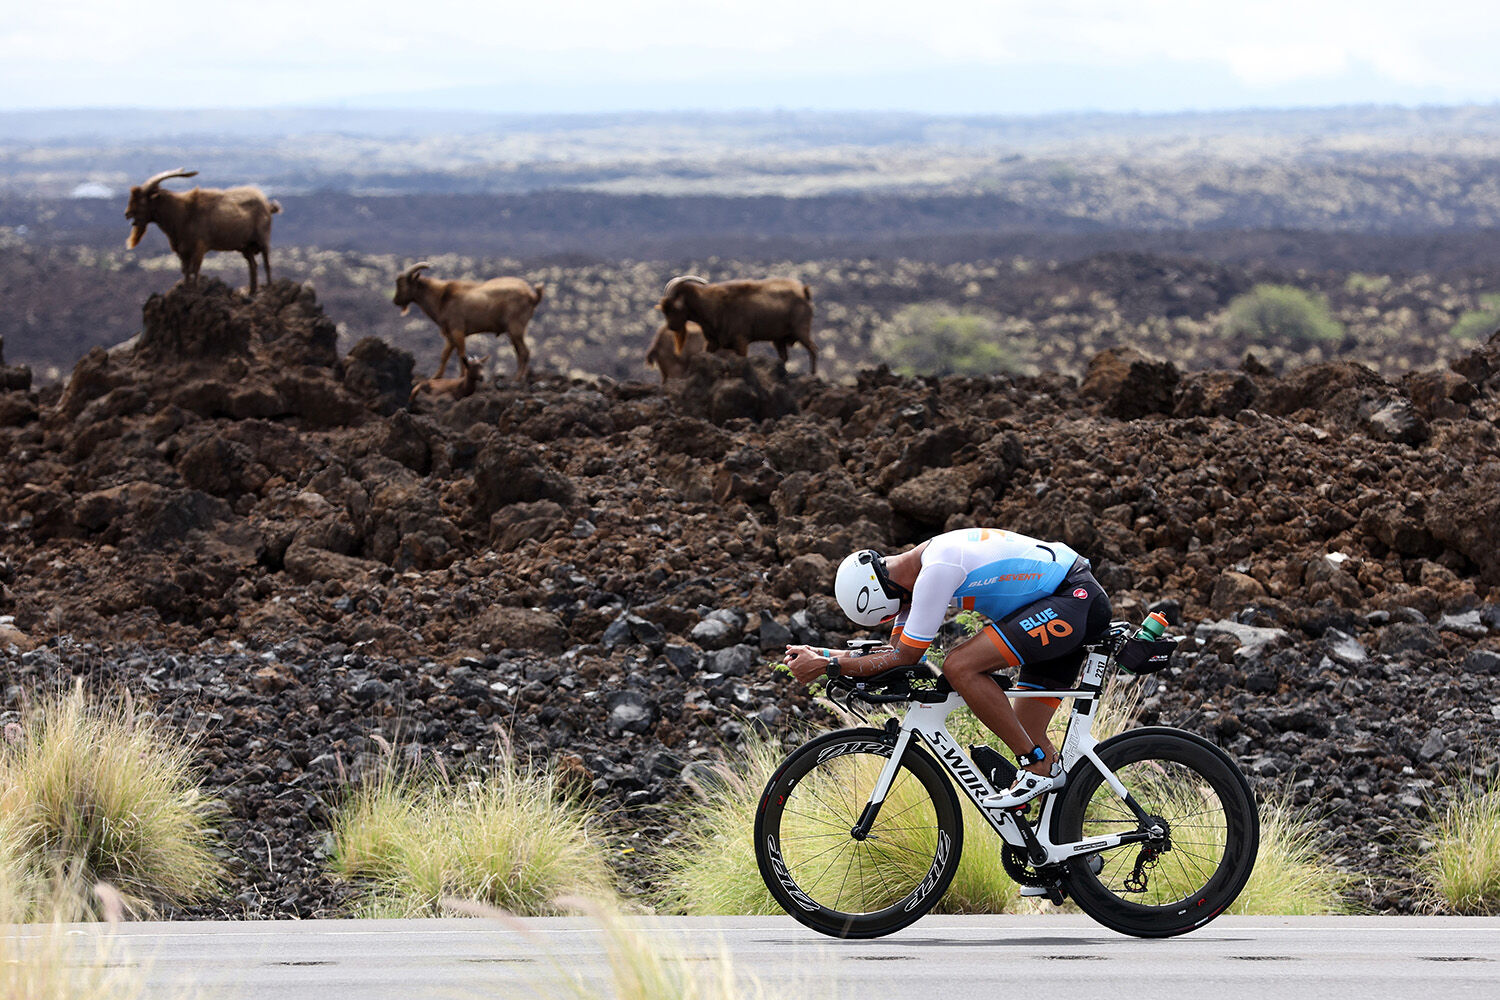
<point x="848" y="886"/>
<point x="1207" y="815"/>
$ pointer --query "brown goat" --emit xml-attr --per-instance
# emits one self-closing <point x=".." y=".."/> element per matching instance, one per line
<point x="204" y="219"/>
<point x="457" y="388"/>
<point x="463" y="308"/>
<point x="734" y="314"/>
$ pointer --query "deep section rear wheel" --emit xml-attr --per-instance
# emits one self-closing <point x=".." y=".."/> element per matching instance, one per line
<point x="816" y="868"/>
<point x="1173" y="885"/>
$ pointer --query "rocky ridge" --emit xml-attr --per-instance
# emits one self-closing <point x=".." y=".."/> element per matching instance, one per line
<point x="255" y="536"/>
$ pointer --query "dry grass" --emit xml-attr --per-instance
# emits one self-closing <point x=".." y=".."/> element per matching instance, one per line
<point x="106" y="796"/>
<point x="510" y="837"/>
<point x="641" y="965"/>
<point x="709" y="866"/>
<point x="1291" y="878"/>
<point x="44" y="957"/>
<point x="1464" y="866"/>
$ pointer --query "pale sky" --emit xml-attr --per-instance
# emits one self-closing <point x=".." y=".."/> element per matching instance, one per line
<point x="941" y="56"/>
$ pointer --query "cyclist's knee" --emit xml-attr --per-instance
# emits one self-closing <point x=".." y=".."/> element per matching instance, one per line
<point x="970" y="659"/>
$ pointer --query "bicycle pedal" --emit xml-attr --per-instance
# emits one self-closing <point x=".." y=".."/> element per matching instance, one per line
<point x="1052" y="892"/>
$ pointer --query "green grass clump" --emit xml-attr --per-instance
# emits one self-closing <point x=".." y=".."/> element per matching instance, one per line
<point x="510" y="837"/>
<point x="43" y="955"/>
<point x="104" y="795"/>
<point x="708" y="864"/>
<point x="1291" y="878"/>
<point x="1359" y="283"/>
<point x="1464" y="866"/>
<point x="1284" y="315"/>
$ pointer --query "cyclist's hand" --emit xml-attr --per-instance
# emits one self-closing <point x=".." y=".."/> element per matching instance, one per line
<point x="806" y="663"/>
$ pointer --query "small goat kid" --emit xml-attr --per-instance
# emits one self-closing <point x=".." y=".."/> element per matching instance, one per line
<point x="464" y="308"/>
<point x="457" y="388"/>
<point x="204" y="219"/>
<point x="734" y="314"/>
<point x="663" y="352"/>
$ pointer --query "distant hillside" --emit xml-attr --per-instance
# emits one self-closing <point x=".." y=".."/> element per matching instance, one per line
<point x="1364" y="168"/>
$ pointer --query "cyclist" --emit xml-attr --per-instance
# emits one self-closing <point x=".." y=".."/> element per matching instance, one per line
<point x="1043" y="604"/>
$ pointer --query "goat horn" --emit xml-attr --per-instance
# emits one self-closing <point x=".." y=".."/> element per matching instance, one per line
<point x="680" y="280"/>
<point x="411" y="272"/>
<point x="151" y="184"/>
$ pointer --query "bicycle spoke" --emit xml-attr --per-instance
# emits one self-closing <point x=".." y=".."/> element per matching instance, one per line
<point x="852" y="855"/>
<point x="829" y="867"/>
<point x="902" y="812"/>
<point x="802" y="862"/>
<point x="899" y="863"/>
<point x="817" y="819"/>
<point x="835" y="810"/>
<point x="889" y="893"/>
<point x="892" y="845"/>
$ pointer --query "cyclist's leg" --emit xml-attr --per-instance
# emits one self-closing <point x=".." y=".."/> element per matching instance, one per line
<point x="966" y="668"/>
<point x="1044" y="639"/>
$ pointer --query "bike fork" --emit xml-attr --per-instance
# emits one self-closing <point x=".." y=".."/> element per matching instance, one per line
<point x="861" y="830"/>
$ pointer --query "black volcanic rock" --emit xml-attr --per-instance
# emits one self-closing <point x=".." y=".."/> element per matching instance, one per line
<point x="604" y="571"/>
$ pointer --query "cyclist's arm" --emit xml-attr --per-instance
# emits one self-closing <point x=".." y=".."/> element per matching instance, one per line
<point x="878" y="662"/>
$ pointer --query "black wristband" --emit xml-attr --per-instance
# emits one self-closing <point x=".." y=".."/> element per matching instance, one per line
<point x="1033" y="756"/>
<point x="833" y="668"/>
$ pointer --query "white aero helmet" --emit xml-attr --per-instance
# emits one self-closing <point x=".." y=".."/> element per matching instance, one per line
<point x="864" y="591"/>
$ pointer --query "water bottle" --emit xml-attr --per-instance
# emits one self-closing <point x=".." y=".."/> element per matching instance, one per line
<point x="1153" y="627"/>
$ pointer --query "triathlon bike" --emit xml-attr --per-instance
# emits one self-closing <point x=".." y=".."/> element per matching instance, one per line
<point x="859" y="832"/>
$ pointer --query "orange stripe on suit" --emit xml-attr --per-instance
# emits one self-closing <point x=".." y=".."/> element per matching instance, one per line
<point x="913" y="644"/>
<point x="1005" y="651"/>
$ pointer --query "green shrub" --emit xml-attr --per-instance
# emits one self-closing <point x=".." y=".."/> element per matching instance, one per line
<point x="935" y="339"/>
<point x="1366" y="284"/>
<point x="105" y="796"/>
<point x="1282" y="314"/>
<point x="511" y="837"/>
<point x="1464" y="866"/>
<point x="1478" y="324"/>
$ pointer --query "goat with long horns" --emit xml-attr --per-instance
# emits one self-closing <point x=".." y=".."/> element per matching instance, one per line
<point x="204" y="219"/>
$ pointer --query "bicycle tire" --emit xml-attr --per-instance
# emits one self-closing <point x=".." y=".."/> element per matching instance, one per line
<point x="1213" y="826"/>
<point x="808" y="857"/>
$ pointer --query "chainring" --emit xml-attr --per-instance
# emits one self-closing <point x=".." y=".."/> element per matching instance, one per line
<point x="1019" y="869"/>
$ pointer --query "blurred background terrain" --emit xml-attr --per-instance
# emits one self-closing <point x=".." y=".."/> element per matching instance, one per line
<point x="1055" y="235"/>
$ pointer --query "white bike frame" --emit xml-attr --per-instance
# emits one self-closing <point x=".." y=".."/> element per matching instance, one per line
<point x="929" y="722"/>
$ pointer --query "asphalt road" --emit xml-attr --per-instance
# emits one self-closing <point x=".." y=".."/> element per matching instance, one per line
<point x="954" y="958"/>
